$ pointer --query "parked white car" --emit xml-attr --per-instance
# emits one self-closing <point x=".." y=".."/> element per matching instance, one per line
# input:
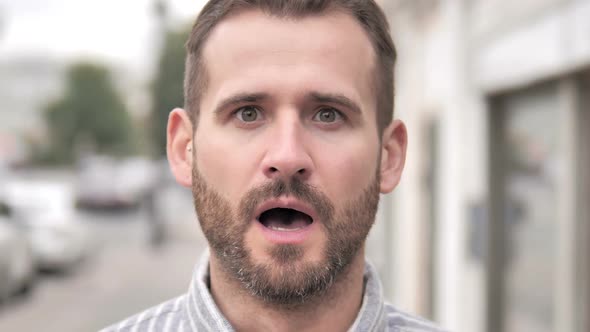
<point x="47" y="210"/>
<point x="104" y="182"/>
<point x="17" y="269"/>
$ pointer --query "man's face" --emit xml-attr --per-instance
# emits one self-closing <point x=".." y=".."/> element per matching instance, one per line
<point x="286" y="160"/>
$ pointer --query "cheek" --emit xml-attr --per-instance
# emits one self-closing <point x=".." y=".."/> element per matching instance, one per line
<point x="348" y="169"/>
<point x="226" y="166"/>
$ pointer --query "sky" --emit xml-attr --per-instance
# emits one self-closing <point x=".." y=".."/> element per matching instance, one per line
<point x="119" y="32"/>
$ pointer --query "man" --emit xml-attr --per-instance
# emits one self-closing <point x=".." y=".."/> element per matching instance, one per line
<point x="286" y="140"/>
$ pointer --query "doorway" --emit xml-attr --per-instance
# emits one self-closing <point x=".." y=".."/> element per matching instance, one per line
<point x="525" y="155"/>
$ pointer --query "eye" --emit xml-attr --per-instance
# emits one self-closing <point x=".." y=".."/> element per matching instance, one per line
<point x="248" y="114"/>
<point x="327" y="115"/>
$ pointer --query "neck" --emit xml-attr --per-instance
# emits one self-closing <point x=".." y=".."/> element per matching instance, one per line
<point x="335" y="310"/>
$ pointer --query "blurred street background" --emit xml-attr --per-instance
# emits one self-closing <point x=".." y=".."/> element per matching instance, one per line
<point x="488" y="231"/>
<point x="122" y="271"/>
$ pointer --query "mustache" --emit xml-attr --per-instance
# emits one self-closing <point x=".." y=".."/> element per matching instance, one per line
<point x="298" y="189"/>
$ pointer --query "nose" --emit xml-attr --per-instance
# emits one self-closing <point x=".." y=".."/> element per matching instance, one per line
<point x="287" y="156"/>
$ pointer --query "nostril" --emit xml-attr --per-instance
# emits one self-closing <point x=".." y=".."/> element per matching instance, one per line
<point x="275" y="171"/>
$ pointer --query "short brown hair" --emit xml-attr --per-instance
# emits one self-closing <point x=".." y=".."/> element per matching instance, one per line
<point x="366" y="12"/>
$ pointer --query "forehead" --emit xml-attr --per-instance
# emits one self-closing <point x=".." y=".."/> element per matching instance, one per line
<point x="328" y="49"/>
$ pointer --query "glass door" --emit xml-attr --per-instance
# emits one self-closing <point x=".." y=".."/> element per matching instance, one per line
<point x="525" y="179"/>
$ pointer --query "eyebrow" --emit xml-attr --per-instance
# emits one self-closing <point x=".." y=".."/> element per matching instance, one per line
<point x="317" y="97"/>
<point x="338" y="99"/>
<point x="239" y="99"/>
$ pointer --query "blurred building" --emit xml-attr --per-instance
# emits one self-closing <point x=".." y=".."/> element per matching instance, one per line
<point x="27" y="84"/>
<point x="489" y="228"/>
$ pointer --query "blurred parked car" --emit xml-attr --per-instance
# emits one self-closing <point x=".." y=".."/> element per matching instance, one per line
<point x="47" y="211"/>
<point x="105" y="182"/>
<point x="16" y="257"/>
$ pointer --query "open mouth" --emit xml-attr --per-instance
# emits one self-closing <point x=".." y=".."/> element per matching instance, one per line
<point x="284" y="219"/>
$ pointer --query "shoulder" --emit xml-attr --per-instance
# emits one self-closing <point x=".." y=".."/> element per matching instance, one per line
<point x="164" y="316"/>
<point x="399" y="321"/>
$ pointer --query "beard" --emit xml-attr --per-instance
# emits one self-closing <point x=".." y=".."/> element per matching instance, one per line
<point x="284" y="282"/>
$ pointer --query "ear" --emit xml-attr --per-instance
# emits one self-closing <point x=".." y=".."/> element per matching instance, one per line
<point x="393" y="155"/>
<point x="179" y="146"/>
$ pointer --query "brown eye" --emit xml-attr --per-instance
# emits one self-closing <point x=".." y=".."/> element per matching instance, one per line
<point x="248" y="114"/>
<point x="327" y="115"/>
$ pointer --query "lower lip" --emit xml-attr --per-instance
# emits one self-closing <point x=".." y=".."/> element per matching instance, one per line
<point x="285" y="237"/>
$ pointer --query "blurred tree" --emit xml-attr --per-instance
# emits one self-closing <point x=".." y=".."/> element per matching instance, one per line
<point x="167" y="88"/>
<point x="89" y="117"/>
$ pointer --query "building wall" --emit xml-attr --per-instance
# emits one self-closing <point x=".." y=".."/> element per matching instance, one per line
<point x="557" y="40"/>
<point x="453" y="56"/>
